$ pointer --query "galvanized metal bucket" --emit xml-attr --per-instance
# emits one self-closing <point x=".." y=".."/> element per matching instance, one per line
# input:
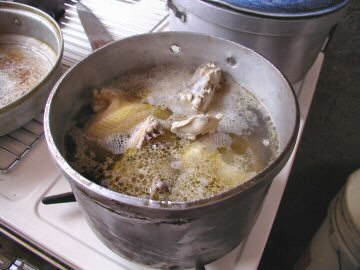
<point x="290" y="41"/>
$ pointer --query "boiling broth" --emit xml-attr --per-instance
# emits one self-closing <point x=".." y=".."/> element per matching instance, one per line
<point x="170" y="167"/>
<point x="24" y="62"/>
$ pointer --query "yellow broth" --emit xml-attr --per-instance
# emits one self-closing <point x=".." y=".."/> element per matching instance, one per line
<point x="169" y="167"/>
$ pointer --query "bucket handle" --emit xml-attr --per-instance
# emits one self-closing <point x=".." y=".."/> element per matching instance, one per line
<point x="179" y="14"/>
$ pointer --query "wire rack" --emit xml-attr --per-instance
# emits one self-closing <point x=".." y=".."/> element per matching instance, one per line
<point x="15" y="145"/>
<point x="123" y="18"/>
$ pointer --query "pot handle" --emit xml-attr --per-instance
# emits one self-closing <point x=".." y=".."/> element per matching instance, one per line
<point x="59" y="198"/>
<point x="179" y="14"/>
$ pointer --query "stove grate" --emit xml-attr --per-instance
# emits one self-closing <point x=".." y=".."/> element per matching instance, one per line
<point x="123" y="18"/>
<point x="15" y="145"/>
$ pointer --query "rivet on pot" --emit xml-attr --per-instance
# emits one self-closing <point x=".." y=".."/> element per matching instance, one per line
<point x="17" y="22"/>
<point x="175" y="49"/>
<point x="231" y="61"/>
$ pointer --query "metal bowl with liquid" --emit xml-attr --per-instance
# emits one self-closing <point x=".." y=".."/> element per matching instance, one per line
<point x="31" y="48"/>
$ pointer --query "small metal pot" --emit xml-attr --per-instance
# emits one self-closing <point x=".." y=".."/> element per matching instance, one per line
<point x="291" y="43"/>
<point x="19" y="19"/>
<point x="165" y="234"/>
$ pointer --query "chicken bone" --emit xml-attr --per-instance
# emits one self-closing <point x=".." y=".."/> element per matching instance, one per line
<point x="196" y="125"/>
<point x="202" y="87"/>
<point x="145" y="131"/>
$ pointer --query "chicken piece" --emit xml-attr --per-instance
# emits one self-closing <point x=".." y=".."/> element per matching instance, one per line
<point x="115" y="114"/>
<point x="103" y="98"/>
<point x="145" y="131"/>
<point x="196" y="125"/>
<point x="202" y="87"/>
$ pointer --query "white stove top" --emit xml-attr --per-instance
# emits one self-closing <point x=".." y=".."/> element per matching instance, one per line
<point x="61" y="229"/>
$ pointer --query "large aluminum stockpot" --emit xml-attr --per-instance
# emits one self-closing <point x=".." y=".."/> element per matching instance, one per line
<point x="290" y="40"/>
<point x="159" y="233"/>
<point x="26" y="22"/>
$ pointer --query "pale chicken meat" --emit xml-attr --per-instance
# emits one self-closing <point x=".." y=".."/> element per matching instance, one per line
<point x="118" y="115"/>
<point x="144" y="132"/>
<point x="196" y="125"/>
<point x="202" y="87"/>
<point x="115" y="114"/>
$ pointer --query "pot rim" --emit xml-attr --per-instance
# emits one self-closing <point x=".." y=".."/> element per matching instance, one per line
<point x="267" y="173"/>
<point x="44" y="17"/>
<point x="271" y="11"/>
<point x="258" y="24"/>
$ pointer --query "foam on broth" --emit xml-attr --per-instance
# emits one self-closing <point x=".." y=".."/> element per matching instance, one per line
<point x="24" y="62"/>
<point x="244" y="144"/>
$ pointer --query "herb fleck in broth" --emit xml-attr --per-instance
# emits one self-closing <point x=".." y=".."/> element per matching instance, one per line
<point x="171" y="167"/>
